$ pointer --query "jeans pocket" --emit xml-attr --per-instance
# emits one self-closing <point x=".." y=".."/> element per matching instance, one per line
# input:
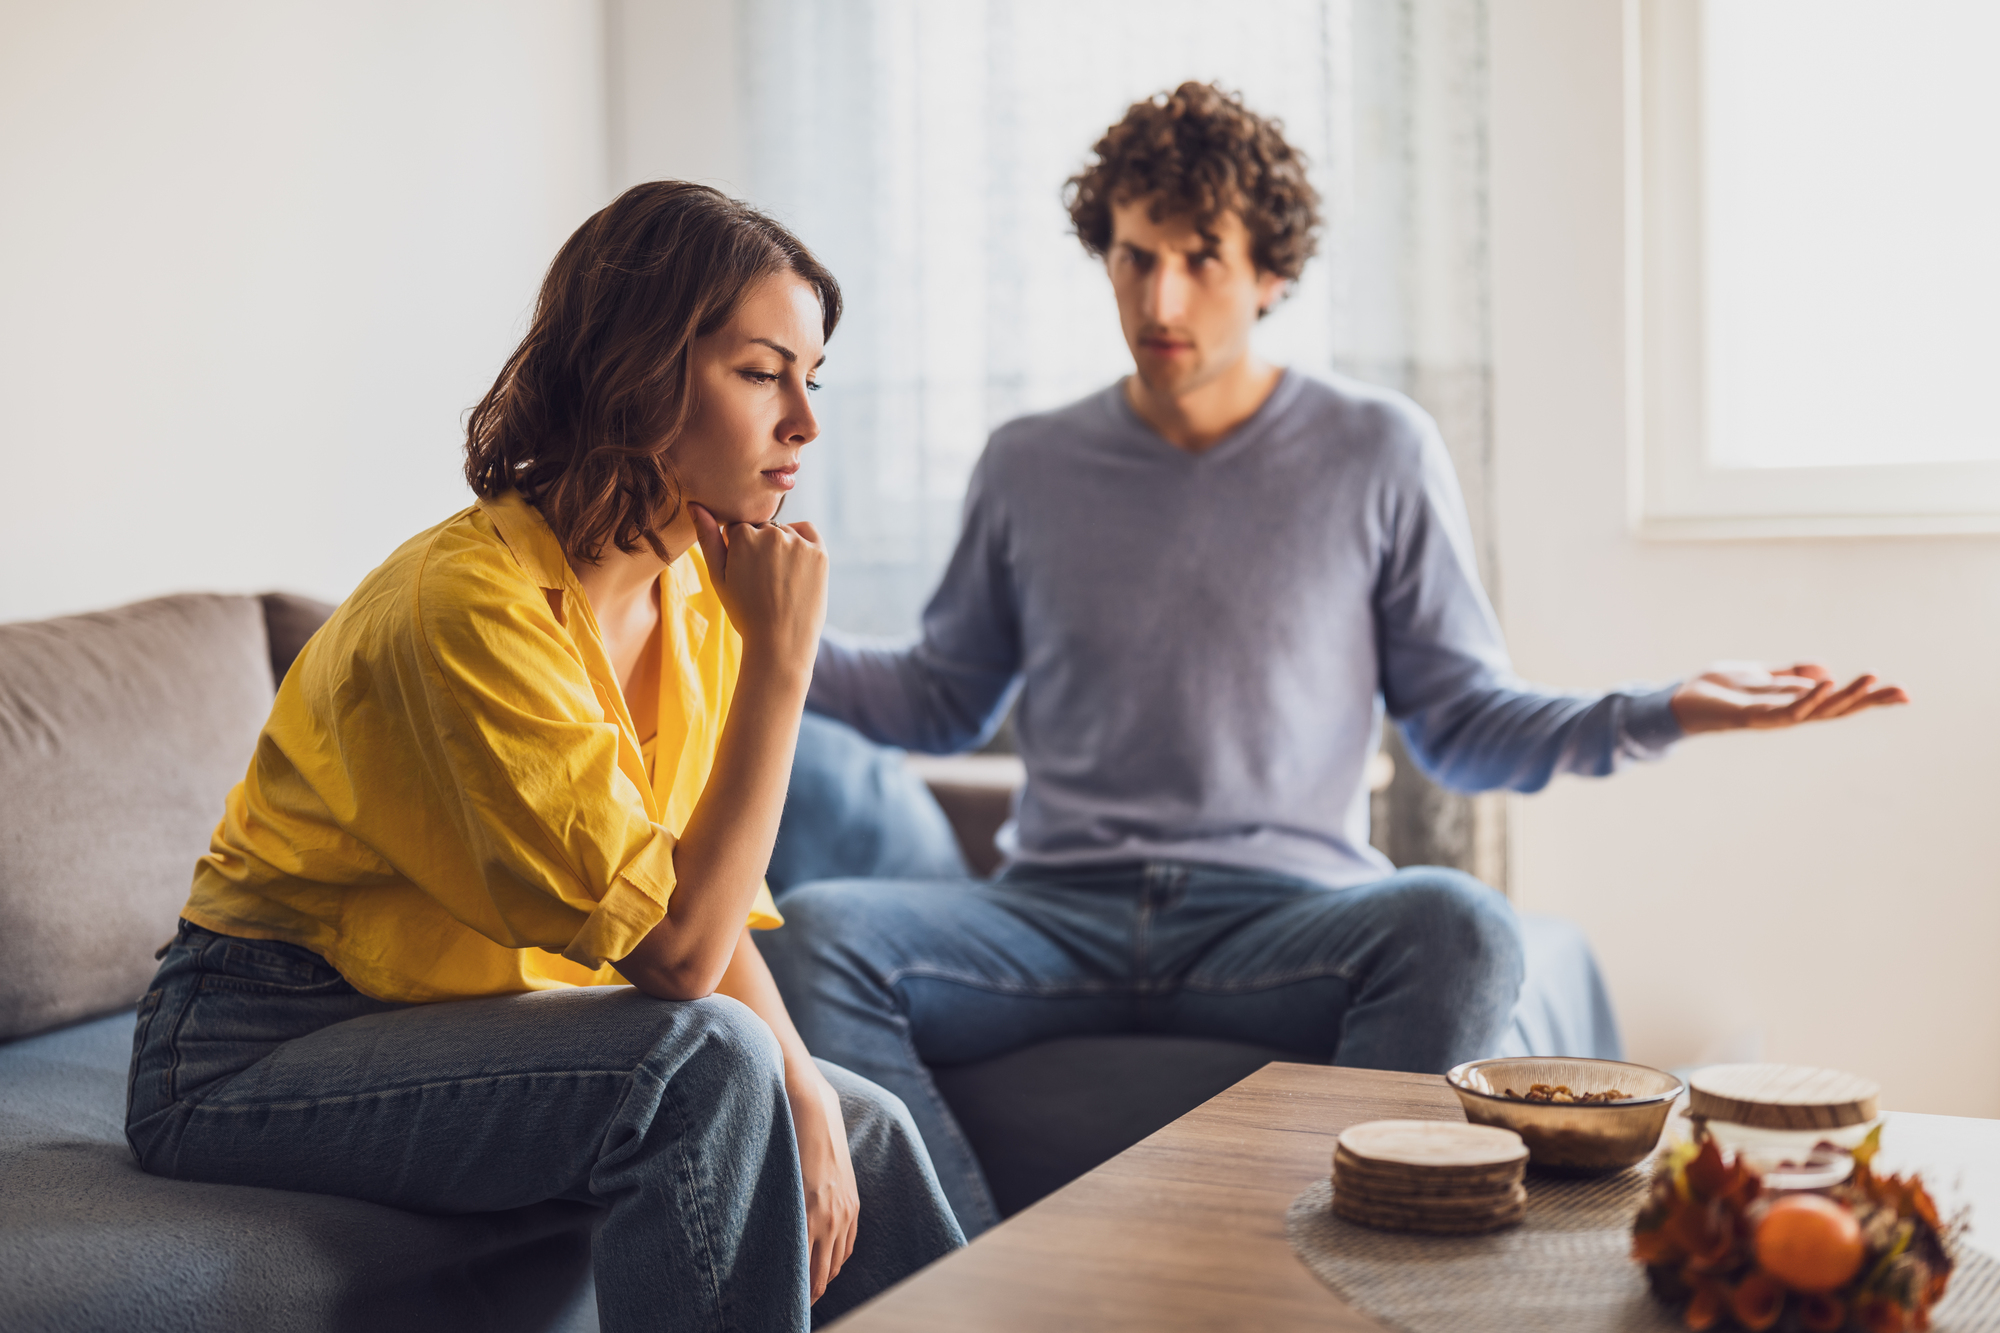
<point x="212" y="982"/>
<point x="264" y="967"/>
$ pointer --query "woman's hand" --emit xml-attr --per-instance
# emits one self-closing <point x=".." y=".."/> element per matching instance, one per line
<point x="772" y="581"/>
<point x="833" y="1201"/>
<point x="1730" y="696"/>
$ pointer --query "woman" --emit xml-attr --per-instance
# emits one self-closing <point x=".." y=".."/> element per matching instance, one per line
<point x="541" y="750"/>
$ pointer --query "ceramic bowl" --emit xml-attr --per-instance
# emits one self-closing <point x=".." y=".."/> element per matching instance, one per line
<point x="1582" y="1139"/>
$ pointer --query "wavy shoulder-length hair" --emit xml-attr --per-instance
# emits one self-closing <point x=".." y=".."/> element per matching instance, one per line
<point x="584" y="412"/>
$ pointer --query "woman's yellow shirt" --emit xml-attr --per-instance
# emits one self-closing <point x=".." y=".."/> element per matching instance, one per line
<point x="449" y="799"/>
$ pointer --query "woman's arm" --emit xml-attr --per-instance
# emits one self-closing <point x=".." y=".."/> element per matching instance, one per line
<point x="772" y="581"/>
<point x="833" y="1201"/>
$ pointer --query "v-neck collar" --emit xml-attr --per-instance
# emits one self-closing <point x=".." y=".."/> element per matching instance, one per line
<point x="1246" y="430"/>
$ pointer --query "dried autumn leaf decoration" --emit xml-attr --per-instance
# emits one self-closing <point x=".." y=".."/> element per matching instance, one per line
<point x="1869" y="1255"/>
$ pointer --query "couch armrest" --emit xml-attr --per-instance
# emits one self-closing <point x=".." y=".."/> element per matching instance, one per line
<point x="976" y="792"/>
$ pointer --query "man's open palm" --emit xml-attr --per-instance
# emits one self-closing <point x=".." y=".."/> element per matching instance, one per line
<point x="1730" y="696"/>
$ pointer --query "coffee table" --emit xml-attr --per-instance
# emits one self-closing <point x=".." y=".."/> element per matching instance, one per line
<point x="1186" y="1230"/>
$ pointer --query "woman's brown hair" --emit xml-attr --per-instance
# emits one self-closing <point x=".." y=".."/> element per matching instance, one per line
<point x="583" y="413"/>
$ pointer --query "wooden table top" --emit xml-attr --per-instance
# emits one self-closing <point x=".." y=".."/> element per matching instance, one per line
<point x="1186" y="1230"/>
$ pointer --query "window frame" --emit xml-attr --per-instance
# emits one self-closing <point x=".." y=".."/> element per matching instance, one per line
<point x="1675" y="492"/>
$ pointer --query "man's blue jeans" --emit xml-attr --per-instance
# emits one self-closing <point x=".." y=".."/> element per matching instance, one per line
<point x="1416" y="972"/>
<point x="255" y="1063"/>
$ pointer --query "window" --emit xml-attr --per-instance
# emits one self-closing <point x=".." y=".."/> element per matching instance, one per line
<point x="1816" y="265"/>
<point x="922" y="148"/>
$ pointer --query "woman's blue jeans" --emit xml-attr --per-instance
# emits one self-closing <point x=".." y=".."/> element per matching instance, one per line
<point x="255" y="1063"/>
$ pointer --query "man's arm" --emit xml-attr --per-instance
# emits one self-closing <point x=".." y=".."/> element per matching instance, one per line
<point x="1501" y="732"/>
<point x="1473" y="725"/>
<point x="1445" y="677"/>
<point x="947" y="690"/>
<point x="1504" y="733"/>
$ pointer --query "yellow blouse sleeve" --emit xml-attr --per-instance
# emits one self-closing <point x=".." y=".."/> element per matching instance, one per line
<point x="763" y="911"/>
<point x="570" y="860"/>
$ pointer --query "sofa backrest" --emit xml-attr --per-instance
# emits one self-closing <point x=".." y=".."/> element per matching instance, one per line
<point x="289" y="620"/>
<point x="120" y="734"/>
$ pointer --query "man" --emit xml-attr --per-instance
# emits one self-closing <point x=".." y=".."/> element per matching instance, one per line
<point x="1204" y="578"/>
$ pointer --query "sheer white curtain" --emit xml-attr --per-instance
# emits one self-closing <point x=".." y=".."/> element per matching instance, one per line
<point x="921" y="149"/>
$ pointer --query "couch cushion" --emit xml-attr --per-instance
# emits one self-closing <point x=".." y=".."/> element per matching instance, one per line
<point x="1564" y="1007"/>
<point x="91" y="1244"/>
<point x="855" y="810"/>
<point x="120" y="734"/>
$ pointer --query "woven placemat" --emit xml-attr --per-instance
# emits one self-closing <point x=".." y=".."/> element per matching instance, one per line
<point x="1570" y="1258"/>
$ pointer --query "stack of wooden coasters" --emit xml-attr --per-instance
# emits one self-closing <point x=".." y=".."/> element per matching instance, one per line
<point x="1429" y="1175"/>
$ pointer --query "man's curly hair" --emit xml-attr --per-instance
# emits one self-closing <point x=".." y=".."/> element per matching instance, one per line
<point x="1198" y="152"/>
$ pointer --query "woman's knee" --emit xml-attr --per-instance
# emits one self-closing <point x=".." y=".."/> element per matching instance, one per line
<point x="722" y="1038"/>
<point x="873" y="1114"/>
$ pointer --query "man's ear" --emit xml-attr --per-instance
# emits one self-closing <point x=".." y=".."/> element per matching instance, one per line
<point x="1271" y="289"/>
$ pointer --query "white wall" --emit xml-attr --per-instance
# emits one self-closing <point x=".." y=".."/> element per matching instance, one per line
<point x="673" y="78"/>
<point x="1833" y="894"/>
<point x="256" y="260"/>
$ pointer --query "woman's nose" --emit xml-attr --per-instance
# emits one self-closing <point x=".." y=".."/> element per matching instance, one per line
<point x="800" y="425"/>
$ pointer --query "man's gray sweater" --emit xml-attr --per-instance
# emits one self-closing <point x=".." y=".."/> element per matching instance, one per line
<point x="1205" y="643"/>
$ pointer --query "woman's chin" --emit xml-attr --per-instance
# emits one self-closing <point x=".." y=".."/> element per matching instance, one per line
<point x="758" y="511"/>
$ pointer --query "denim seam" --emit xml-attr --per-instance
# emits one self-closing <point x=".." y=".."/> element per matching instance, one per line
<point x="924" y="972"/>
<point x="170" y="1076"/>
<point x="218" y="981"/>
<point x="694" y="1190"/>
<point x="208" y="1104"/>
<point x="248" y="954"/>
<point x="1270" y="981"/>
<point x="149" y="1009"/>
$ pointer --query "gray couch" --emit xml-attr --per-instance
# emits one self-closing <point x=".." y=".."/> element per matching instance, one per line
<point x="120" y="733"/>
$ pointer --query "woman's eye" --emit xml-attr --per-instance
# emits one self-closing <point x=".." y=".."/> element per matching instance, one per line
<point x="760" y="376"/>
<point x="812" y="386"/>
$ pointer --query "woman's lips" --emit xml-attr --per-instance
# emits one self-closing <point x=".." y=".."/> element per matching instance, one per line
<point x="784" y="478"/>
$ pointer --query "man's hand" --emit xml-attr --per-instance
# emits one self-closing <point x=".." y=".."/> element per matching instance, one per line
<point x="772" y="582"/>
<point x="833" y="1201"/>
<point x="1731" y="696"/>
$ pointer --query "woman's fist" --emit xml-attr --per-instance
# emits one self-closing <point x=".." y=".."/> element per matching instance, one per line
<point x="772" y="581"/>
